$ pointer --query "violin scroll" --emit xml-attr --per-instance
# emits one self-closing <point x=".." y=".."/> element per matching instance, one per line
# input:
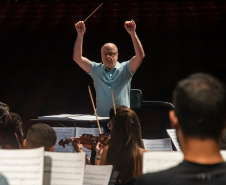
<point x="64" y="142"/>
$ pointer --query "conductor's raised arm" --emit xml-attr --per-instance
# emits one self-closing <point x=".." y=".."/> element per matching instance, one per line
<point x="83" y="62"/>
<point x="136" y="60"/>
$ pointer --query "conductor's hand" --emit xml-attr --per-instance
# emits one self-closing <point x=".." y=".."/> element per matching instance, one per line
<point x="80" y="27"/>
<point x="130" y="26"/>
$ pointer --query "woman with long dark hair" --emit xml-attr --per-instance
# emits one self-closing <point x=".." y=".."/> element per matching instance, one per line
<point x="125" y="150"/>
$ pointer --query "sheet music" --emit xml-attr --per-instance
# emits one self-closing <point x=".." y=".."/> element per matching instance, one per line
<point x="56" y="117"/>
<point x="157" y="161"/>
<point x="99" y="175"/>
<point x="158" y="144"/>
<point x="93" y="131"/>
<point x="65" y="168"/>
<point x="22" y="167"/>
<point x="62" y="133"/>
<point x="78" y="117"/>
<point x="87" y="117"/>
<point x="173" y="136"/>
<point x="223" y="153"/>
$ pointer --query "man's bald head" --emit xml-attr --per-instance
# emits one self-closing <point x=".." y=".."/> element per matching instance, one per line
<point x="109" y="46"/>
<point x="109" y="55"/>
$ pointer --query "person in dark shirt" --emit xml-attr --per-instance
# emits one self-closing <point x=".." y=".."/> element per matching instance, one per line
<point x="199" y="119"/>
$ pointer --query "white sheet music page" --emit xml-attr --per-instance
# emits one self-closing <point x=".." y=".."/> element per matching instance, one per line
<point x="86" y="117"/>
<point x="223" y="153"/>
<point x="82" y="130"/>
<point x="78" y="117"/>
<point x="97" y="174"/>
<point x="62" y="117"/>
<point x="93" y="131"/>
<point x="65" y="168"/>
<point x="157" y="161"/>
<point x="63" y="133"/>
<point x="158" y="144"/>
<point x="173" y="136"/>
<point x="22" y="167"/>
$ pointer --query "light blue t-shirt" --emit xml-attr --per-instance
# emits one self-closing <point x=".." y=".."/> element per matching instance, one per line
<point x="3" y="180"/>
<point x="118" y="78"/>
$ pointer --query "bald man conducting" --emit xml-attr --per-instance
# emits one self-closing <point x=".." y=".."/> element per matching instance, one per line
<point x="110" y="74"/>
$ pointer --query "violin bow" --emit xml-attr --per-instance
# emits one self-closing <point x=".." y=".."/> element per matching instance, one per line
<point x="94" y="109"/>
<point x="113" y="100"/>
<point x="93" y="12"/>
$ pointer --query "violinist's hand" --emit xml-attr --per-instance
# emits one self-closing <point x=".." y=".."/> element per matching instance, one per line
<point x="130" y="26"/>
<point x="77" y="146"/>
<point x="99" y="148"/>
<point x="80" y="27"/>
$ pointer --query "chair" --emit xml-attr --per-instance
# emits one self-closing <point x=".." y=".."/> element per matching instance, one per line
<point x="154" y="119"/>
<point x="136" y="98"/>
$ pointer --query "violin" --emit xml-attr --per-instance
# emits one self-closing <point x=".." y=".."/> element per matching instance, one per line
<point x="88" y="140"/>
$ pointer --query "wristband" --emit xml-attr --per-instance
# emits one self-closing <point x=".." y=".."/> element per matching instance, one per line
<point x="98" y="157"/>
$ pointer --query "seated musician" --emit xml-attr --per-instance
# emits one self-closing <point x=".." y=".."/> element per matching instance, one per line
<point x="78" y="146"/>
<point x="39" y="135"/>
<point x="199" y="119"/>
<point x="125" y="150"/>
<point x="11" y="131"/>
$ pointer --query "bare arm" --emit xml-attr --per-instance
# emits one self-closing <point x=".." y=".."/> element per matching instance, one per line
<point x="101" y="151"/>
<point x="83" y="62"/>
<point x="136" y="60"/>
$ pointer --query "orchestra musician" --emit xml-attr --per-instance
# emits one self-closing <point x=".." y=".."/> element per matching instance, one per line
<point x="77" y="144"/>
<point x="110" y="74"/>
<point x="40" y="135"/>
<point x="125" y="150"/>
<point x="199" y="119"/>
<point x="11" y="131"/>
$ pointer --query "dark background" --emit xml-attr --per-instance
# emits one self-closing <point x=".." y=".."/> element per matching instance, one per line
<point x="38" y="76"/>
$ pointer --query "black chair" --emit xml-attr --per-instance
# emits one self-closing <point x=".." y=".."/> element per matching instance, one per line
<point x="154" y="119"/>
<point x="136" y="99"/>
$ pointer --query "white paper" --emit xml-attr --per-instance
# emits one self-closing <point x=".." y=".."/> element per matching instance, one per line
<point x="223" y="153"/>
<point x="78" y="117"/>
<point x="22" y="167"/>
<point x="87" y="117"/>
<point x="93" y="131"/>
<point x="64" y="168"/>
<point x="82" y="130"/>
<point x="158" y="145"/>
<point x="158" y="161"/>
<point x="63" y="117"/>
<point x="63" y="133"/>
<point x="97" y="175"/>
<point x="173" y="136"/>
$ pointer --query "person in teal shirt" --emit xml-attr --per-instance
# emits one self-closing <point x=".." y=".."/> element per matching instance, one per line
<point x="110" y="74"/>
<point x="3" y="180"/>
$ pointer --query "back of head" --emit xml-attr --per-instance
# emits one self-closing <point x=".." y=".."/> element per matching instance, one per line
<point x="200" y="105"/>
<point x="39" y="135"/>
<point x="4" y="109"/>
<point x="126" y="126"/>
<point x="117" y="108"/>
<point x="11" y="131"/>
<point x="123" y="152"/>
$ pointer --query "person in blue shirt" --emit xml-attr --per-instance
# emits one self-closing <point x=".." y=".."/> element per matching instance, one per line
<point x="110" y="74"/>
<point x="3" y="180"/>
